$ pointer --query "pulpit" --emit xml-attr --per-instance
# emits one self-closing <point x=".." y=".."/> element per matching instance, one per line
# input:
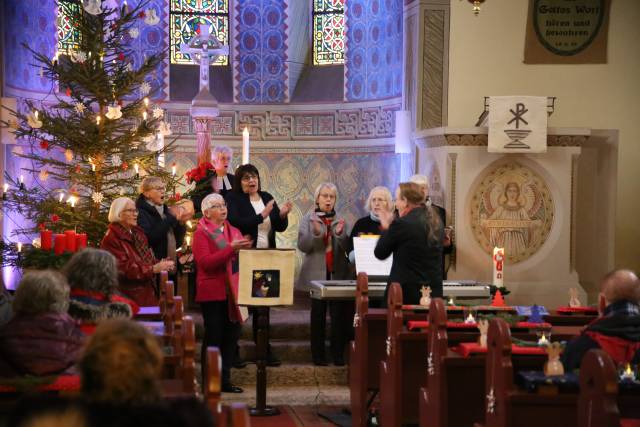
<point x="553" y="212"/>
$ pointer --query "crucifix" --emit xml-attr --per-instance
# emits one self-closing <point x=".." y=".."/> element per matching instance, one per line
<point x="204" y="49"/>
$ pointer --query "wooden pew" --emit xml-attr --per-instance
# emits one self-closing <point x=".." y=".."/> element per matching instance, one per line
<point x="366" y="352"/>
<point x="233" y="414"/>
<point x="180" y="379"/>
<point x="597" y="403"/>
<point x="154" y="313"/>
<point x="402" y="372"/>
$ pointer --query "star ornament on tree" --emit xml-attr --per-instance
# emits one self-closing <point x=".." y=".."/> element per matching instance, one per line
<point x="134" y="33"/>
<point x="97" y="197"/>
<point x="79" y="107"/>
<point x="145" y="88"/>
<point x="158" y="112"/>
<point x="78" y="56"/>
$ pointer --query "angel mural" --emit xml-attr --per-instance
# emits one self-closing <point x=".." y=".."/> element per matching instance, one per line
<point x="513" y="222"/>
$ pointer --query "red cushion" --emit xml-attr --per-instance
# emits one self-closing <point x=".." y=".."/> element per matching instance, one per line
<point x="629" y="422"/>
<point x="62" y="383"/>
<point x="581" y="310"/>
<point x="468" y="348"/>
<point x="413" y="325"/>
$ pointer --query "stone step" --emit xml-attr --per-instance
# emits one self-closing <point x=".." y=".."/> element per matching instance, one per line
<point x="302" y="395"/>
<point x="290" y="374"/>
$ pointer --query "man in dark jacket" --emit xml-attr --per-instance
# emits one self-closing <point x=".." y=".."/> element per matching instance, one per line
<point x="165" y="232"/>
<point x="617" y="330"/>
<point x="216" y="181"/>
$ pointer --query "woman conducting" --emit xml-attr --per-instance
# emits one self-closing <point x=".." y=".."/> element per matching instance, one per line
<point x="415" y="240"/>
<point x="215" y="247"/>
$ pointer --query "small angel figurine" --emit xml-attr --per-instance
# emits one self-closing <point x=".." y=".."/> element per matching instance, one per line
<point x="265" y="290"/>
<point x="425" y="300"/>
<point x="553" y="366"/>
<point x="573" y="298"/>
<point x="483" y="326"/>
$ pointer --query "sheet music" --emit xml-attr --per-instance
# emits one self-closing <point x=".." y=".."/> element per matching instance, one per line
<point x="366" y="261"/>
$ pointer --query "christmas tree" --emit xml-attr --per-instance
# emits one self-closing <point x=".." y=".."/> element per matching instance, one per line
<point x="96" y="140"/>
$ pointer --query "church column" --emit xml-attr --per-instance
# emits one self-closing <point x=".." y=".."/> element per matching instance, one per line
<point x="426" y="64"/>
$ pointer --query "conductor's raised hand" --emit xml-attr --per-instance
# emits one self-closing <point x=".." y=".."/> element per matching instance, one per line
<point x="340" y="227"/>
<point x="316" y="225"/>
<point x="386" y="218"/>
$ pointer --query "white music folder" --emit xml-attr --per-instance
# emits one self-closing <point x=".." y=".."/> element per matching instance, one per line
<point x="366" y="261"/>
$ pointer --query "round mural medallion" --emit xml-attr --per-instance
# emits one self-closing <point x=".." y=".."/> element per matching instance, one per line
<point x="511" y="208"/>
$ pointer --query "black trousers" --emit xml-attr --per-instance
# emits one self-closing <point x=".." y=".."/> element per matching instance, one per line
<point x="341" y="328"/>
<point x="219" y="332"/>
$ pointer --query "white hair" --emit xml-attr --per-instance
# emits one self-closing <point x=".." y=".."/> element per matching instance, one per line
<point x="149" y="182"/>
<point x="221" y="149"/>
<point x="385" y="193"/>
<point x="117" y="206"/>
<point x="328" y="185"/>
<point x="210" y="200"/>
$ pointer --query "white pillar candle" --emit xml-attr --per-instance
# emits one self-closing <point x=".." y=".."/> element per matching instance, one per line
<point x="245" y="146"/>
<point x="498" y="266"/>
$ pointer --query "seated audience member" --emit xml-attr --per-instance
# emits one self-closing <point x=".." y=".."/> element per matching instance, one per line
<point x="92" y="275"/>
<point x="447" y="244"/>
<point x="163" y="225"/>
<point x="617" y="330"/>
<point x="41" y="338"/>
<point x="215" y="248"/>
<point x="379" y="200"/>
<point x="137" y="266"/>
<point x="415" y="240"/>
<point x="120" y="370"/>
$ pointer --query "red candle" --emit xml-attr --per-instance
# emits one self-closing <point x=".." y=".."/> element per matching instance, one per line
<point x="71" y="240"/>
<point x="60" y="244"/>
<point x="81" y="240"/>
<point x="46" y="237"/>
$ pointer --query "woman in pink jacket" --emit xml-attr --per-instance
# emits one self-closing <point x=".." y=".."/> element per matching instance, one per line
<point x="215" y="247"/>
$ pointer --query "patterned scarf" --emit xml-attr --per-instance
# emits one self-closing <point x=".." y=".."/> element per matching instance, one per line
<point x="140" y="242"/>
<point x="221" y="236"/>
<point x="327" y="219"/>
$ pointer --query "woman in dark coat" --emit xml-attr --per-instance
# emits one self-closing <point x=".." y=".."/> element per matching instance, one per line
<point x="415" y="240"/>
<point x="41" y="338"/>
<point x="257" y="215"/>
<point x="137" y="266"/>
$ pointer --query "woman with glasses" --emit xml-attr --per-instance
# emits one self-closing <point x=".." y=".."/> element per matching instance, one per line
<point x="163" y="226"/>
<point x="215" y="248"/>
<point x="255" y="213"/>
<point x="137" y="266"/>
<point x="379" y="200"/>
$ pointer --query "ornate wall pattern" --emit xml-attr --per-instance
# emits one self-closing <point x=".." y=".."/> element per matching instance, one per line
<point x="32" y="22"/>
<point x="355" y="123"/>
<point x="293" y="174"/>
<point x="433" y="69"/>
<point x="373" y="65"/>
<point x="260" y="63"/>
<point x="512" y="208"/>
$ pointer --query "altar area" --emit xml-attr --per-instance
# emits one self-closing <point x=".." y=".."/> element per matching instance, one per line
<point x="554" y="212"/>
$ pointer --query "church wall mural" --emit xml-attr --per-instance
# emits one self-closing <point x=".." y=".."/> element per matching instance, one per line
<point x="373" y="66"/>
<point x="260" y="63"/>
<point x="32" y="22"/>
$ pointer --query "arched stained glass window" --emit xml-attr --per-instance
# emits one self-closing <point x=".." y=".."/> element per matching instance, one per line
<point x="187" y="15"/>
<point x="68" y="36"/>
<point x="328" y="32"/>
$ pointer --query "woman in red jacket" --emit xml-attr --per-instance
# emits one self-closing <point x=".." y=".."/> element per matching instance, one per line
<point x="215" y="247"/>
<point x="137" y="266"/>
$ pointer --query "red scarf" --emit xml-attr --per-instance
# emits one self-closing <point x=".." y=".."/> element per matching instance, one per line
<point x="328" y="245"/>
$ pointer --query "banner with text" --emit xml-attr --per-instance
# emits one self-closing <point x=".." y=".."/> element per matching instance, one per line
<point x="567" y="32"/>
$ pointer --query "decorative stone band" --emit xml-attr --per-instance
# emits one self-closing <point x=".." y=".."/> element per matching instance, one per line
<point x="479" y="140"/>
<point x="365" y="122"/>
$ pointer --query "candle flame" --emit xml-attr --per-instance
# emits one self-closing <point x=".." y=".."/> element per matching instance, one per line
<point x="136" y="167"/>
<point x="188" y="240"/>
<point x="6" y="187"/>
<point x="144" y="115"/>
<point x="61" y="197"/>
<point x="35" y="113"/>
<point x="146" y="101"/>
<point x="97" y="120"/>
<point x="21" y="179"/>
<point x="19" y="246"/>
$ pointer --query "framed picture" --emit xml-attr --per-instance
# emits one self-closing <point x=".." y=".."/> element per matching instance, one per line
<point x="266" y="277"/>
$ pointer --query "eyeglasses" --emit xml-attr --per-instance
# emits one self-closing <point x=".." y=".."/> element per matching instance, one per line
<point x="159" y="188"/>
<point x="134" y="211"/>
<point x="220" y="206"/>
<point x="249" y="177"/>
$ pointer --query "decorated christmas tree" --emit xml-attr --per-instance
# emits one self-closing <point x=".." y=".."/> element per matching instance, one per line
<point x="93" y="140"/>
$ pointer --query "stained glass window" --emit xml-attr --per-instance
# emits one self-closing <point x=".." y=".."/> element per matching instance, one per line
<point x="328" y="32"/>
<point x="187" y="15"/>
<point x="68" y="36"/>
